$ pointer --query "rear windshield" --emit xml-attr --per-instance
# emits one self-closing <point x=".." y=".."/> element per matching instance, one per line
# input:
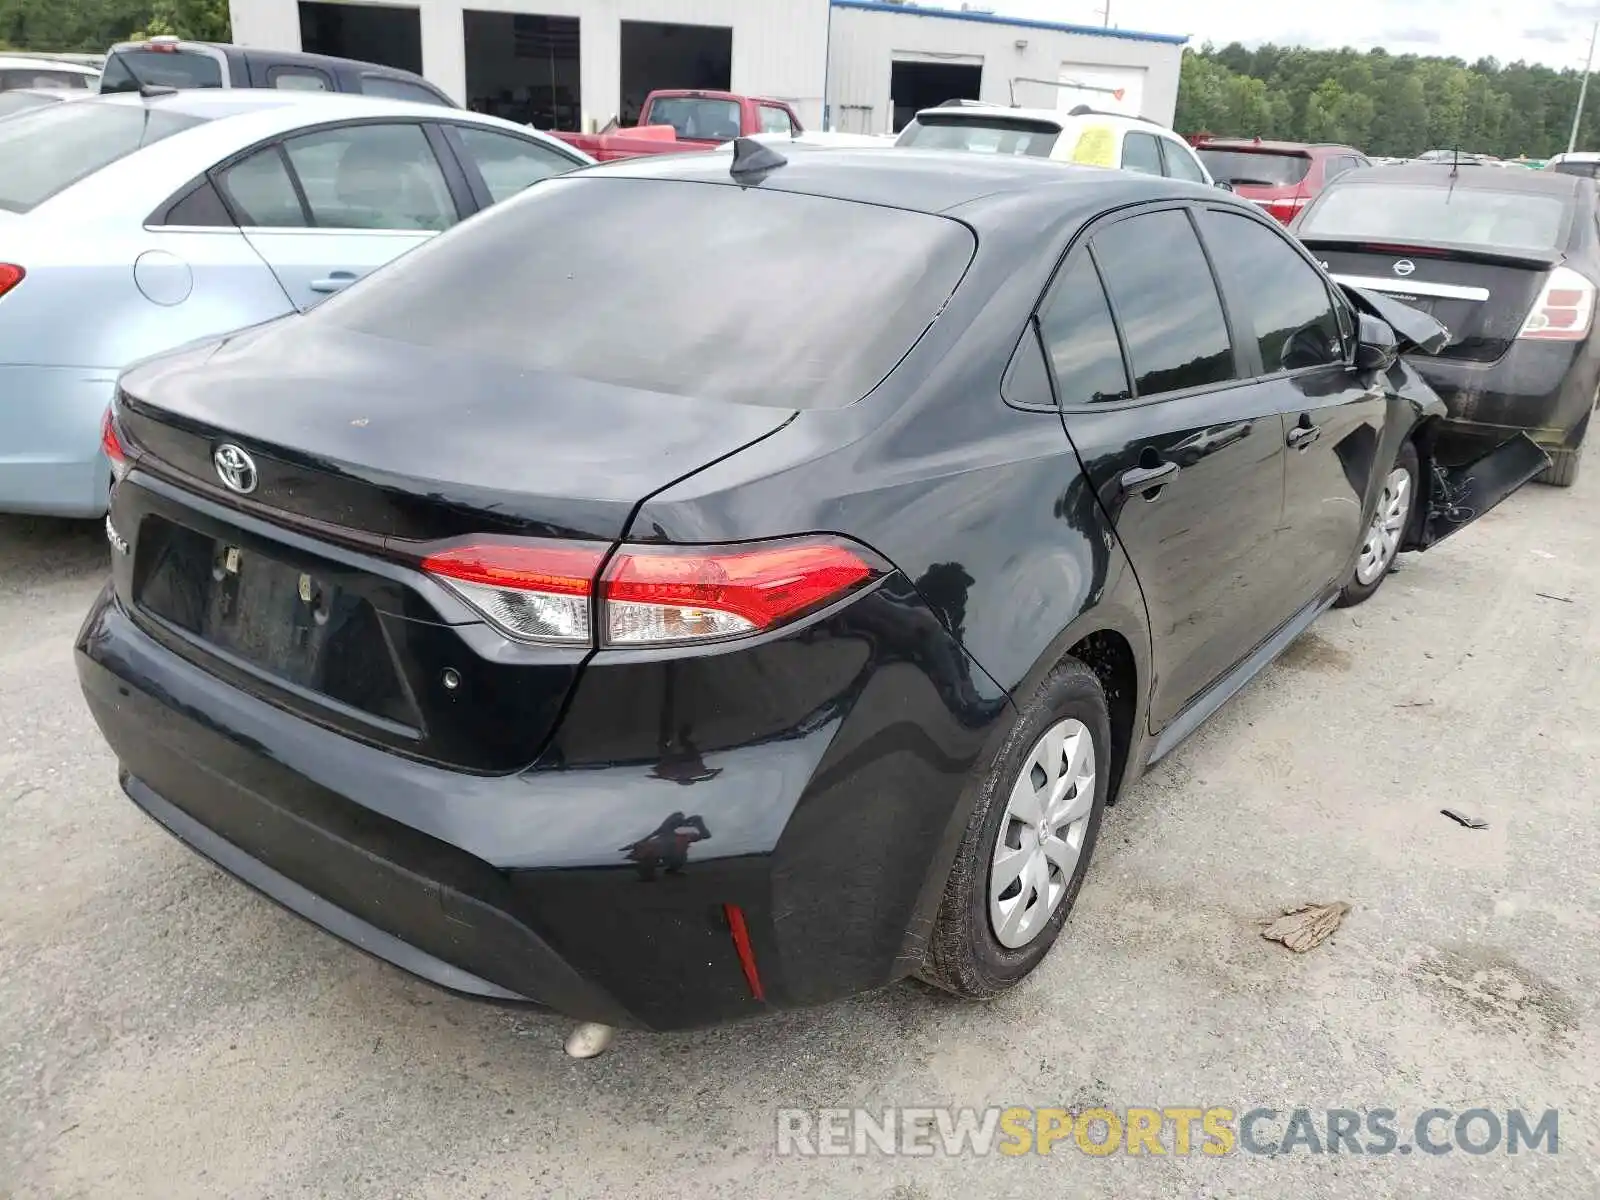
<point x="49" y="149"/>
<point x="128" y="70"/>
<point x="1582" y="169"/>
<point x="704" y="120"/>
<point x="1455" y="216"/>
<point x="982" y="135"/>
<point x="1261" y="168"/>
<point x="735" y="294"/>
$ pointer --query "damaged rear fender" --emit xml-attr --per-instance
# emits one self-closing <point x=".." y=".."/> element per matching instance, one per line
<point x="1453" y="496"/>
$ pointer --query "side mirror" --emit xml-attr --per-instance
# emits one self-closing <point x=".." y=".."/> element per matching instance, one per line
<point x="1225" y="185"/>
<point x="1376" y="344"/>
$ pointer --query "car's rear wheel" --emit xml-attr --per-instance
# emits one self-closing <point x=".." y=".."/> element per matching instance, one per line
<point x="1386" y="532"/>
<point x="1028" y="842"/>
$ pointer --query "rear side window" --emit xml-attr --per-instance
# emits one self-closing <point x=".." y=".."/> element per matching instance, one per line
<point x="1456" y="215"/>
<point x="775" y="120"/>
<point x="299" y="79"/>
<point x="43" y="78"/>
<point x="1256" y="168"/>
<point x="988" y="134"/>
<point x="1290" y="310"/>
<point x="126" y="70"/>
<point x="372" y="177"/>
<point x="1181" y="162"/>
<point x="391" y="88"/>
<point x="262" y="193"/>
<point x="49" y="149"/>
<point x="1081" y="340"/>
<point x="1140" y="153"/>
<point x="1166" y="302"/>
<point x="687" y="302"/>
<point x="1583" y="170"/>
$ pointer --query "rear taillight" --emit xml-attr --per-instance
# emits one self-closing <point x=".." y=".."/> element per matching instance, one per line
<point x="10" y="276"/>
<point x="111" y="442"/>
<point x="648" y="595"/>
<point x="535" y="592"/>
<point x="1287" y="209"/>
<point x="1564" y="310"/>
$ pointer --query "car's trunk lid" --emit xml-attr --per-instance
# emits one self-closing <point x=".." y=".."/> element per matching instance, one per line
<point x="398" y="441"/>
<point x="1481" y="296"/>
<point x="307" y="591"/>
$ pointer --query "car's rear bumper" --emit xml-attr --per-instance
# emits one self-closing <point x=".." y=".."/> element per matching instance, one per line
<point x="50" y="460"/>
<point x="563" y="887"/>
<point x="1545" y="389"/>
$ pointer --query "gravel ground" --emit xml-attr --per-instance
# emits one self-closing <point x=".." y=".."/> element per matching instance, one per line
<point x="165" y="1032"/>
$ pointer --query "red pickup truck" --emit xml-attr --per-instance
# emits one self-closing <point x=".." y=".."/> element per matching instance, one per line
<point x="678" y="122"/>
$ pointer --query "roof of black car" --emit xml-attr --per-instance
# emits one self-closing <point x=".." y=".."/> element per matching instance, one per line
<point x="931" y="181"/>
<point x="296" y="58"/>
<point x="1469" y="175"/>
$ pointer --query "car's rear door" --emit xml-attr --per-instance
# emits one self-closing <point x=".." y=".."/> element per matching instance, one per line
<point x="1188" y="458"/>
<point x="1299" y="336"/>
<point x="326" y="207"/>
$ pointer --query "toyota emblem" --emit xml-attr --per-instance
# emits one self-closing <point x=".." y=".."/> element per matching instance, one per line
<point x="1404" y="267"/>
<point x="235" y="468"/>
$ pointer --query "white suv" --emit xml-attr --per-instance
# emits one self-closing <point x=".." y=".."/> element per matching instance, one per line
<point x="1081" y="135"/>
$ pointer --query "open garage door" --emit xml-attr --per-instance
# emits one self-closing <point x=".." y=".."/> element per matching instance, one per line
<point x="374" y="33"/>
<point x="915" y="84"/>
<point x="658" y="56"/>
<point x="523" y="67"/>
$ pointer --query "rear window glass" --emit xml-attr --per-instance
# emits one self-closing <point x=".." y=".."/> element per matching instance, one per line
<point x="705" y="120"/>
<point x="1583" y="170"/>
<point x="127" y="70"/>
<point x="1459" y="216"/>
<point x="983" y="135"/>
<point x="49" y="149"/>
<point x="742" y="295"/>
<point x="1255" y="167"/>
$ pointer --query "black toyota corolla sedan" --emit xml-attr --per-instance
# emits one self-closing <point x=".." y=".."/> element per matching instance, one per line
<point x="724" y="583"/>
<point x="1508" y="260"/>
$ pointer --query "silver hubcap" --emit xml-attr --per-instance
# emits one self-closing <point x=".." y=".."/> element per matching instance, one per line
<point x="1041" y="833"/>
<point x="1388" y="527"/>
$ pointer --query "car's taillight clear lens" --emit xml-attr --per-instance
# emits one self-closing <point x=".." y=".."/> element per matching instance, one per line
<point x="1564" y="310"/>
<point x="10" y="276"/>
<point x="649" y="595"/>
<point x="653" y="596"/>
<point x="532" y="591"/>
<point x="111" y="443"/>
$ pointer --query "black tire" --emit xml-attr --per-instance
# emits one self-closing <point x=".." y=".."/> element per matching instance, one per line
<point x="1354" y="591"/>
<point x="964" y="956"/>
<point x="1563" y="468"/>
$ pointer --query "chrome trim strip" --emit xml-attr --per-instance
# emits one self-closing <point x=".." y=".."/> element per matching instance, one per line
<point x="1415" y="287"/>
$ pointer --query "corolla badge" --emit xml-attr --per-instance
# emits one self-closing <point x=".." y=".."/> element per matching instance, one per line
<point x="235" y="468"/>
<point x="1404" y="267"/>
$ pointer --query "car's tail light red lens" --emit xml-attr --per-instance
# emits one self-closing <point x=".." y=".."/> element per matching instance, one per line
<point x="1285" y="210"/>
<point x="10" y="276"/>
<point x="110" y="442"/>
<point x="1564" y="310"/>
<point x="649" y="595"/>
<point x="662" y="595"/>
<point x="532" y="591"/>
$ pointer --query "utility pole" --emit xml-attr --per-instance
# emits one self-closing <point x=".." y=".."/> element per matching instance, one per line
<point x="1106" y="13"/>
<point x="1583" y="88"/>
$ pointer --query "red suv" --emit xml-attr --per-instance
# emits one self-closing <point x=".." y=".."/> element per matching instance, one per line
<point x="1282" y="177"/>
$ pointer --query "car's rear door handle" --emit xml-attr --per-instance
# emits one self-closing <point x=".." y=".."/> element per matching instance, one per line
<point x="334" y="282"/>
<point x="1302" y="436"/>
<point x="1143" y="480"/>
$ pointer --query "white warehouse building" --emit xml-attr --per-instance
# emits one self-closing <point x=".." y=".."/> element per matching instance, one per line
<point x="859" y="65"/>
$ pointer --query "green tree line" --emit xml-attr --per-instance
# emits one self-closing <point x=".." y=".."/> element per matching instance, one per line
<point x="1383" y="103"/>
<point x="92" y="26"/>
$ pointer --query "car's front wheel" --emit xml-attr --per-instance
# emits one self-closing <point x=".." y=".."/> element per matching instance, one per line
<point x="1028" y="842"/>
<point x="1386" y="532"/>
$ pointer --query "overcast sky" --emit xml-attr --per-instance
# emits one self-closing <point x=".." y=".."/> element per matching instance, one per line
<point x="1554" y="32"/>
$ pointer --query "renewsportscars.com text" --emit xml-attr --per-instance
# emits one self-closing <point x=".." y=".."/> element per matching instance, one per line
<point x="1168" y="1130"/>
